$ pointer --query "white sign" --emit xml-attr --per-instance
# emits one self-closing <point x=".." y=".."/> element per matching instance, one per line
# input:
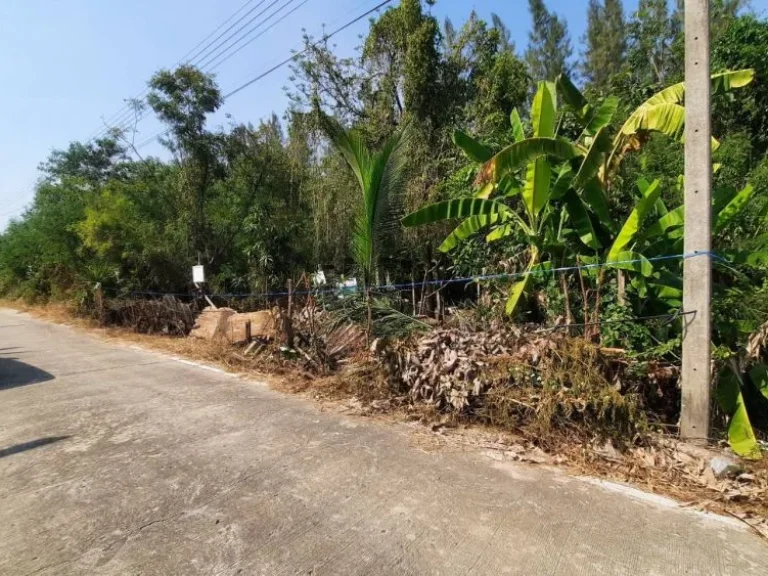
<point x="318" y="278"/>
<point x="198" y="274"/>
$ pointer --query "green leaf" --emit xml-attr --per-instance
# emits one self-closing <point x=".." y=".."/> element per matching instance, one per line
<point x="499" y="233"/>
<point x="672" y="219"/>
<point x="458" y="208"/>
<point x="603" y="114"/>
<point x="741" y="436"/>
<point x="543" y="112"/>
<point x="536" y="189"/>
<point x="733" y="208"/>
<point x="635" y="219"/>
<point x="518" y="288"/>
<point x="572" y="96"/>
<point x="590" y="166"/>
<point x="466" y="229"/>
<point x="517" y="155"/>
<point x="663" y="111"/>
<point x="632" y="261"/>
<point x="471" y="147"/>
<point x="486" y="191"/>
<point x="561" y="185"/>
<point x="725" y="81"/>
<point x="518" y="132"/>
<point x="759" y="376"/>
<point x="581" y="220"/>
<point x="515" y="292"/>
<point x="667" y="118"/>
<point x="668" y="284"/>
<point x="594" y="195"/>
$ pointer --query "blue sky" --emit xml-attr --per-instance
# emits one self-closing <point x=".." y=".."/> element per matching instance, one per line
<point x="66" y="64"/>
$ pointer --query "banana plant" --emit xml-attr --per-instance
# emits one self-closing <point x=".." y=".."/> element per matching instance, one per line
<point x="533" y="186"/>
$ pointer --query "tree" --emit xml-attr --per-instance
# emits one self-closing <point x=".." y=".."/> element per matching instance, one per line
<point x="94" y="162"/>
<point x="381" y="176"/>
<point x="655" y="35"/>
<point x="605" y="43"/>
<point x="549" y="44"/>
<point x="182" y="99"/>
<point x="744" y="44"/>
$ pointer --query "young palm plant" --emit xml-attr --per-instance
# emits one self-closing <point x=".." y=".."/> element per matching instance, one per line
<point x="381" y="175"/>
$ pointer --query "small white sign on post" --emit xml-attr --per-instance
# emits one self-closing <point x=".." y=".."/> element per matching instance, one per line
<point x="198" y="274"/>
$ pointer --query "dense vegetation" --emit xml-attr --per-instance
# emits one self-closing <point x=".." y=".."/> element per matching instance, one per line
<point x="551" y="157"/>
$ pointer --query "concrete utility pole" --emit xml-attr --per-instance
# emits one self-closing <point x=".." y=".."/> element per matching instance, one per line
<point x="697" y="270"/>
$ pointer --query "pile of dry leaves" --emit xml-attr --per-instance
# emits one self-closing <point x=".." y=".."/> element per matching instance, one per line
<point x="514" y="378"/>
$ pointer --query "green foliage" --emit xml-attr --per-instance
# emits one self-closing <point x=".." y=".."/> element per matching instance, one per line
<point x="606" y="43"/>
<point x="381" y="176"/>
<point x="549" y="44"/>
<point x="513" y="176"/>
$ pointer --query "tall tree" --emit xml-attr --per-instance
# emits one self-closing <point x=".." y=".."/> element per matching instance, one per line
<point x="654" y="35"/>
<point x="182" y="99"/>
<point x="549" y="44"/>
<point x="605" y="42"/>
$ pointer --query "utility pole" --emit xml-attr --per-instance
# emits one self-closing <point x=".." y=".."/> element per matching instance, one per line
<point x="697" y="269"/>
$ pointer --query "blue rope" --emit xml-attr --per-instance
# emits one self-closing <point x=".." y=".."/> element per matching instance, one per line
<point x="467" y="279"/>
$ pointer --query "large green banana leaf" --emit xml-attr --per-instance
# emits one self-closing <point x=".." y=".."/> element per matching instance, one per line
<point x="581" y="220"/>
<point x="537" y="186"/>
<point x="466" y="229"/>
<point x="517" y="155"/>
<point x="518" y="132"/>
<point x="721" y="82"/>
<point x="572" y="96"/>
<point x="518" y="288"/>
<point x="601" y="143"/>
<point x="759" y="376"/>
<point x="594" y="196"/>
<point x="741" y="436"/>
<point x="635" y="219"/>
<point x="632" y="261"/>
<point x="601" y="116"/>
<point x="543" y="112"/>
<point x="471" y="147"/>
<point x="733" y="208"/>
<point x="672" y="219"/>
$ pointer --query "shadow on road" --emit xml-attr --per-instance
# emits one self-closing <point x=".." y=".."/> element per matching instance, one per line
<point x="24" y="446"/>
<point x="14" y="373"/>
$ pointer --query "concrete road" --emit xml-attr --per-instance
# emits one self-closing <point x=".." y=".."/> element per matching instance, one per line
<point x="119" y="461"/>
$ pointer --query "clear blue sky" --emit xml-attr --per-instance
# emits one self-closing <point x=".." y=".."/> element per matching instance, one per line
<point x="66" y="64"/>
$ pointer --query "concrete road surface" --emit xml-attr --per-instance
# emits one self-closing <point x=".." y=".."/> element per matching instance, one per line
<point x="120" y="461"/>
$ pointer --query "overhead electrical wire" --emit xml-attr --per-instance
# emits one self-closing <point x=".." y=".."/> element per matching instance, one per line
<point x="260" y="34"/>
<point x="203" y="62"/>
<point x="279" y="65"/>
<point x="124" y="113"/>
<point x="123" y="119"/>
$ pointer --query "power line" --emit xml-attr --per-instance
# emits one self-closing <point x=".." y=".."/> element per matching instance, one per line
<point x="123" y="114"/>
<point x="122" y="119"/>
<point x="214" y="64"/>
<point x="278" y="65"/>
<point x="236" y="32"/>
<point x="207" y="54"/>
<point x="305" y="50"/>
